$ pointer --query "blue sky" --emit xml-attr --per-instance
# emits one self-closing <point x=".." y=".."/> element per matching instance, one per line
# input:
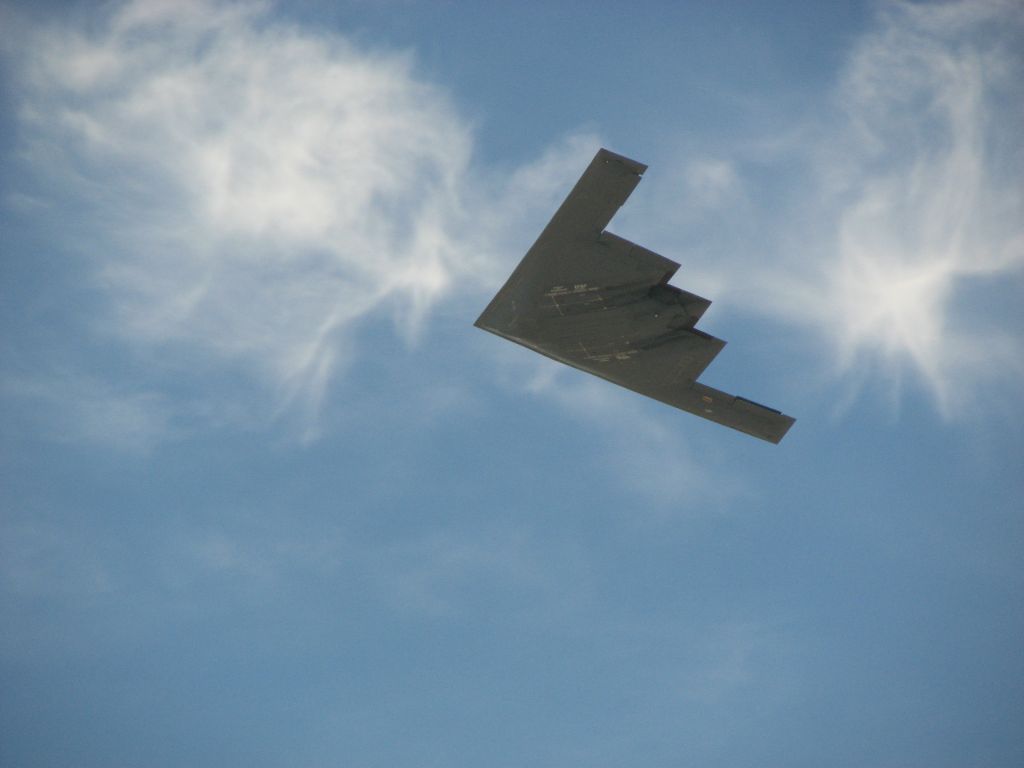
<point x="269" y="499"/>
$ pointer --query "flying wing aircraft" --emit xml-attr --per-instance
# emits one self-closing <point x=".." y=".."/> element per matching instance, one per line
<point x="597" y="302"/>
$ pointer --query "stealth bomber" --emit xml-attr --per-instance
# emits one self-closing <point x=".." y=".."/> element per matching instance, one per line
<point x="597" y="302"/>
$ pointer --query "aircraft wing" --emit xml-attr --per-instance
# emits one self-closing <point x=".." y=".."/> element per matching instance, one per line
<point x="595" y="301"/>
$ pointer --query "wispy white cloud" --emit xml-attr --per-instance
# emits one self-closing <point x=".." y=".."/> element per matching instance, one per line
<point x="734" y="656"/>
<point x="261" y="188"/>
<point x="75" y="408"/>
<point x="443" y="574"/>
<point x="39" y="561"/>
<point x="934" y="200"/>
<point x="640" y="446"/>
<point x="709" y="181"/>
<point x="439" y="575"/>
<point x="911" y="200"/>
<point x="252" y="190"/>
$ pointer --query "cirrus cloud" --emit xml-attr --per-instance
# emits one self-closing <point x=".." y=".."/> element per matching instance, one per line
<point x="249" y="190"/>
<point x="914" y="202"/>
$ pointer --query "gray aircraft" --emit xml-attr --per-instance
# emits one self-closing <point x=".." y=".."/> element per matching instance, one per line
<point x="597" y="302"/>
